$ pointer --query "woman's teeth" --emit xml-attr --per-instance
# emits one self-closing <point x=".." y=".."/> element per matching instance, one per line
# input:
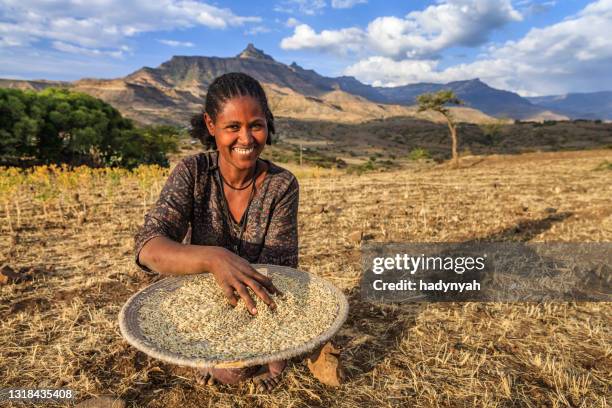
<point x="243" y="151"/>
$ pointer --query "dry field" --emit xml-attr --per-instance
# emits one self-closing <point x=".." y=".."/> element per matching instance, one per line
<point x="73" y="241"/>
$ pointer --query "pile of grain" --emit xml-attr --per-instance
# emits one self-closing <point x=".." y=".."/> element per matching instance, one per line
<point x="196" y="321"/>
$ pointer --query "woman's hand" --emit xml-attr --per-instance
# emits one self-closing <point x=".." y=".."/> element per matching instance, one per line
<point x="234" y="274"/>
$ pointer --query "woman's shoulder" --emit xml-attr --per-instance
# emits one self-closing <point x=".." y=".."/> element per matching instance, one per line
<point x="281" y="177"/>
<point x="199" y="163"/>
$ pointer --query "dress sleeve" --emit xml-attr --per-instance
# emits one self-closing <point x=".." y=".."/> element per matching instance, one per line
<point x="281" y="241"/>
<point x="171" y="214"/>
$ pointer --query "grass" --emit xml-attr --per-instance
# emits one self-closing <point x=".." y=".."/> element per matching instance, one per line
<point x="60" y="328"/>
<point x="604" y="165"/>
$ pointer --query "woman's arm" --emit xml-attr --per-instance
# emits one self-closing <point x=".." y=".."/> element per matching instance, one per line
<point x="170" y="215"/>
<point x="281" y="242"/>
<point x="231" y="272"/>
<point x="169" y="257"/>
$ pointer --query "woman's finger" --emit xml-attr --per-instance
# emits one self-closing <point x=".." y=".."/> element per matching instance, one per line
<point x="260" y="291"/>
<point x="246" y="297"/>
<point x="263" y="280"/>
<point x="228" y="291"/>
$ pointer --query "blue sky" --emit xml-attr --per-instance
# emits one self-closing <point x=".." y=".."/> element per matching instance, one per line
<point x="534" y="47"/>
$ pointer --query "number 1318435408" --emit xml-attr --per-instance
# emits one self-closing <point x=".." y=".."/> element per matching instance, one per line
<point x="36" y="394"/>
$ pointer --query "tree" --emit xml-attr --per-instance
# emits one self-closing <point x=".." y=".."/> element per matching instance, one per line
<point x="437" y="102"/>
<point x="61" y="126"/>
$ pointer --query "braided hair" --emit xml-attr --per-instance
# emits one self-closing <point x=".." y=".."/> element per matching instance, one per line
<point x="223" y="88"/>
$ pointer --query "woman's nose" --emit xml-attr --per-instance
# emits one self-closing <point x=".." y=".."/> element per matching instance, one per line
<point x="246" y="136"/>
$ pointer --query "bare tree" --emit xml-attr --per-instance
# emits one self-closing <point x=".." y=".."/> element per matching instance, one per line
<point x="437" y="102"/>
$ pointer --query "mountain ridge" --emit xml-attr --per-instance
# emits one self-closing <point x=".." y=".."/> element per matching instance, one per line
<point x="174" y="90"/>
<point x="578" y="105"/>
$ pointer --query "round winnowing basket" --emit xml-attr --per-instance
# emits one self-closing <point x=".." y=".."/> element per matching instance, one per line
<point x="132" y="332"/>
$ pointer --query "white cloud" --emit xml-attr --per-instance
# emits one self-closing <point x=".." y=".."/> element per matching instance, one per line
<point x="174" y="43"/>
<point x="292" y="22"/>
<point x="572" y="55"/>
<point x="451" y="23"/>
<point x="420" y="34"/>
<point x="532" y="7"/>
<point x="304" y="37"/>
<point x="91" y="52"/>
<point x="312" y="7"/>
<point x="104" y="24"/>
<point x="17" y="62"/>
<point x="257" y="30"/>
<point x="344" y="4"/>
<point x="384" y="71"/>
<point x="309" y="7"/>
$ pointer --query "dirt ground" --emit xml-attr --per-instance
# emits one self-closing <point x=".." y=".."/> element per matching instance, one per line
<point x="59" y="328"/>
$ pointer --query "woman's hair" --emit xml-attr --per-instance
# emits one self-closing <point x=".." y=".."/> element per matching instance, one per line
<point x="223" y="88"/>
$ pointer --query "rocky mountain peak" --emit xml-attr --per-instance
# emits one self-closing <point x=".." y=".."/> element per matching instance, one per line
<point x="255" y="53"/>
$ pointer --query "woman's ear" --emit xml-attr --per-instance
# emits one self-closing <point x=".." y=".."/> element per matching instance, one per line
<point x="210" y="125"/>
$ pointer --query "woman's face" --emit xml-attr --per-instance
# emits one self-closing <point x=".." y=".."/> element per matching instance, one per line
<point x="240" y="131"/>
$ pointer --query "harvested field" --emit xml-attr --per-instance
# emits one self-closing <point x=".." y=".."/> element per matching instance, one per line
<point x="72" y="237"/>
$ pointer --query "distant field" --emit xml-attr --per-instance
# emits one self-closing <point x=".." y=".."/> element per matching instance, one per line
<point x="72" y="233"/>
<point x="393" y="139"/>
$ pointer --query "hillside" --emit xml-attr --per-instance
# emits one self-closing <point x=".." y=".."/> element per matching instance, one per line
<point x="35" y="85"/>
<point x="391" y="141"/>
<point x="476" y="94"/>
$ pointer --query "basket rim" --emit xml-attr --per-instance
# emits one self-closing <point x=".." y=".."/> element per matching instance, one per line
<point x="130" y="310"/>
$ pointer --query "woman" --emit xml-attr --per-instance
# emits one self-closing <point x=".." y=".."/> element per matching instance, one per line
<point x="239" y="209"/>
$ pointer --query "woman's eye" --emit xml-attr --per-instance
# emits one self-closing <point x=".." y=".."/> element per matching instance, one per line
<point x="234" y="127"/>
<point x="257" y="126"/>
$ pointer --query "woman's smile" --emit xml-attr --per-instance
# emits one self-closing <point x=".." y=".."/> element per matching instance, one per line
<point x="245" y="151"/>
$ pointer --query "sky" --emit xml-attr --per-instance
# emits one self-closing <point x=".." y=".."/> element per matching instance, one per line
<point x="533" y="47"/>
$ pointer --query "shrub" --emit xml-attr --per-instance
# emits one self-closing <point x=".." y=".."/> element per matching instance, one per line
<point x="359" y="169"/>
<point x="492" y="131"/>
<point x="419" y="154"/>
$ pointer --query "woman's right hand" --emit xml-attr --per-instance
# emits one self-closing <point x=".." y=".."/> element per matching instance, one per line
<point x="234" y="274"/>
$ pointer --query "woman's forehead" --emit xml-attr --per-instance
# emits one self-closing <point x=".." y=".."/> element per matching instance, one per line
<point x="241" y="107"/>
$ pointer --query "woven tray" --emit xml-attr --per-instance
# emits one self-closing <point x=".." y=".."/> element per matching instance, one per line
<point x="131" y="331"/>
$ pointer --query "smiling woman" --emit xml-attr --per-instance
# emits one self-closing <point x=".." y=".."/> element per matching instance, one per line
<point x="241" y="209"/>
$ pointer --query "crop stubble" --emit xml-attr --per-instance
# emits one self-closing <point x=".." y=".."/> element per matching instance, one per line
<point x="60" y="329"/>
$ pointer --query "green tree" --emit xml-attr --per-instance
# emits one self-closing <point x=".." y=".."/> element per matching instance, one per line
<point x="60" y="126"/>
<point x="438" y="102"/>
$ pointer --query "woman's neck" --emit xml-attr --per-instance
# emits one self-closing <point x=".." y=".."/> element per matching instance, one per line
<point x="235" y="176"/>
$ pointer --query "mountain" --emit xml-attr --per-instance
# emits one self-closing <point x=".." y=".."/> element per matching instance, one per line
<point x="174" y="91"/>
<point x="475" y="94"/>
<point x="35" y="85"/>
<point x="594" y="105"/>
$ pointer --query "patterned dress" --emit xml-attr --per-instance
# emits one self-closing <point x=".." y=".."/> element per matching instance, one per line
<point x="192" y="209"/>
